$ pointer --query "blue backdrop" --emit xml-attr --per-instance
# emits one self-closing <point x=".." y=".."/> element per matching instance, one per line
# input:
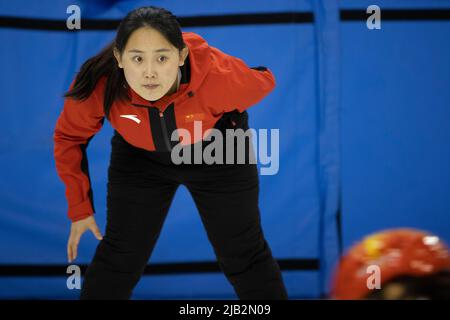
<point x="363" y="119"/>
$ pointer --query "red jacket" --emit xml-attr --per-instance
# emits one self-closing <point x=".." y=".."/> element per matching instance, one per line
<point x="212" y="83"/>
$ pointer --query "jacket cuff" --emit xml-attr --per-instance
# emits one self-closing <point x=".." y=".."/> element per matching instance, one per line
<point x="80" y="211"/>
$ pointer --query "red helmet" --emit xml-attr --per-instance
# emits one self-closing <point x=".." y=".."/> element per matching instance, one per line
<point x="396" y="252"/>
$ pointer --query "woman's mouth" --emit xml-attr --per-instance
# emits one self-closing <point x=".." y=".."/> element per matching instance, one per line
<point x="151" y="86"/>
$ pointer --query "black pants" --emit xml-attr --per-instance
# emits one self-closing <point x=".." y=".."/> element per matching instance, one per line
<point x="141" y="186"/>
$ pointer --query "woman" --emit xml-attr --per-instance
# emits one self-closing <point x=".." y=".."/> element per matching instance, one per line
<point x="153" y="82"/>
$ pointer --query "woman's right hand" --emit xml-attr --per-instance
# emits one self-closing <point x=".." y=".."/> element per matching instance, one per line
<point x="76" y="231"/>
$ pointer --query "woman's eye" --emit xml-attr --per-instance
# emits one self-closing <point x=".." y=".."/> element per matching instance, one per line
<point x="137" y="59"/>
<point x="162" y="58"/>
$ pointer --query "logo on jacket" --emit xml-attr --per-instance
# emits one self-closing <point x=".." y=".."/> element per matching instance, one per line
<point x="131" y="117"/>
<point x="194" y="116"/>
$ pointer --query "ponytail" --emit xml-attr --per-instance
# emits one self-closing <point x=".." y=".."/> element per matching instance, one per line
<point x="102" y="64"/>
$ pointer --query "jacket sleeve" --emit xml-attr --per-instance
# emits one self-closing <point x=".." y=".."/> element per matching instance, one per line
<point x="235" y="85"/>
<point x="77" y="123"/>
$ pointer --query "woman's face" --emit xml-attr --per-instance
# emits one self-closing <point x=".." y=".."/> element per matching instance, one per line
<point x="148" y="58"/>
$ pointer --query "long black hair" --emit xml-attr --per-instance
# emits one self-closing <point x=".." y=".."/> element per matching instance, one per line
<point x="105" y="64"/>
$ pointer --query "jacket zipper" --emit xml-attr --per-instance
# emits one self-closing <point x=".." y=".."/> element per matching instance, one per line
<point x="163" y="126"/>
<point x="164" y="131"/>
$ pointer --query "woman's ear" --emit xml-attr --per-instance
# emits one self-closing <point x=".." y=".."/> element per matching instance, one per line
<point x="117" y="56"/>
<point x="183" y="55"/>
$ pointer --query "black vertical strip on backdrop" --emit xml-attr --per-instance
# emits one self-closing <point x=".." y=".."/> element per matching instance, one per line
<point x="339" y="226"/>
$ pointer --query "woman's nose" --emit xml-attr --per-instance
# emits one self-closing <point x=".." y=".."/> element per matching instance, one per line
<point x="149" y="71"/>
<point x="149" y="74"/>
